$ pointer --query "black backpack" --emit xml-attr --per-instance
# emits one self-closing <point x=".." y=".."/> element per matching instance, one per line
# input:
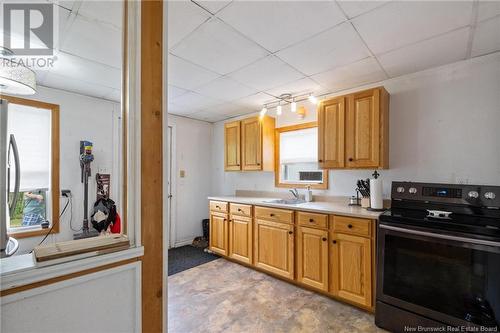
<point x="109" y="209"/>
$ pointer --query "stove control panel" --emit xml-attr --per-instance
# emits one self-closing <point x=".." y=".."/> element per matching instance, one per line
<point x="473" y="195"/>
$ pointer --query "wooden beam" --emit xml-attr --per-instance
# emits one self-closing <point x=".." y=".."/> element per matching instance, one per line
<point x="152" y="164"/>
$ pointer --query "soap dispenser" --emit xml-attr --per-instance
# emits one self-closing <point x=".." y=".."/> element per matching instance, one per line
<point x="309" y="194"/>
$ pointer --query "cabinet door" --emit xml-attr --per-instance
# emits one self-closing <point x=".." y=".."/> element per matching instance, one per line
<point x="232" y="141"/>
<point x="331" y="126"/>
<point x="312" y="257"/>
<point x="274" y="247"/>
<point x="240" y="238"/>
<point x="351" y="268"/>
<point x="251" y="130"/>
<point x="218" y="233"/>
<point x="363" y="130"/>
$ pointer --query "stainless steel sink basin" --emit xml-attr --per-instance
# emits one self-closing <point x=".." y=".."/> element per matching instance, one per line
<point x="286" y="201"/>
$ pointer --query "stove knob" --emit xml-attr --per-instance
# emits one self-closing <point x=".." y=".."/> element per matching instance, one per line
<point x="473" y="195"/>
<point x="412" y="190"/>
<point x="490" y="195"/>
<point x="400" y="189"/>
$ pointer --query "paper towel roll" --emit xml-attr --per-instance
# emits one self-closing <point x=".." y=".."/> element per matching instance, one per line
<point x="376" y="199"/>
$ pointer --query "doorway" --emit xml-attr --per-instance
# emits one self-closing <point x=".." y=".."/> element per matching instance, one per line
<point x="170" y="186"/>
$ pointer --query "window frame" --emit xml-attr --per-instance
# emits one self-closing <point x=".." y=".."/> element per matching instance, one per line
<point x="277" y="168"/>
<point x="54" y="166"/>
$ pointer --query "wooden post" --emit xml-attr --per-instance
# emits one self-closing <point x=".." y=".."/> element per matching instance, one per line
<point x="152" y="164"/>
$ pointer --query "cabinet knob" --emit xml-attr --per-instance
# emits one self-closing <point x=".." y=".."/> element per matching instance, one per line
<point x="225" y="220"/>
<point x="258" y="163"/>
<point x="239" y="210"/>
<point x="324" y="239"/>
<point x="320" y="161"/>
<point x="334" y="242"/>
<point x="311" y="220"/>
<point x="290" y="232"/>
<point x="351" y="159"/>
<point x="349" y="226"/>
<point x="271" y="214"/>
<point x="218" y="207"/>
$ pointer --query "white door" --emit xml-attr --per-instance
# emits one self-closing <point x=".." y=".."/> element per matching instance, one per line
<point x="170" y="188"/>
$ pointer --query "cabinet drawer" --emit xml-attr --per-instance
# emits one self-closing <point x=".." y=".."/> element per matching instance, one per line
<point x="239" y="209"/>
<point x="352" y="225"/>
<point x="312" y="220"/>
<point x="274" y="214"/>
<point x="218" y="206"/>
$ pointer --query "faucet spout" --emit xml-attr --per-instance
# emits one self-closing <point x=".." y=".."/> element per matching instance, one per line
<point x="295" y="193"/>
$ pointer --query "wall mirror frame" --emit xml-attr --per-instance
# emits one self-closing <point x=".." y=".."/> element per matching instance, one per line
<point x="53" y="210"/>
<point x="278" y="168"/>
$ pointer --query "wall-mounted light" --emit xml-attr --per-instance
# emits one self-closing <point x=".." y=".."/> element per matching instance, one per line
<point x="313" y="99"/>
<point x="293" y="106"/>
<point x="15" y="78"/>
<point x="279" y="109"/>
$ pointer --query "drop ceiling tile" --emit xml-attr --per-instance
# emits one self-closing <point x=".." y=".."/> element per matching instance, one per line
<point x="108" y="12"/>
<point x="82" y="69"/>
<point x="186" y="75"/>
<point x="278" y="24"/>
<point x="183" y="18"/>
<point x="213" y="6"/>
<point x="335" y="47"/>
<point x="174" y="92"/>
<point x="180" y="110"/>
<point x="225" y="89"/>
<point x="115" y="96"/>
<point x="194" y="101"/>
<point x="487" y="9"/>
<point x="486" y="37"/>
<point x="267" y="73"/>
<point x="94" y="41"/>
<point x="68" y="83"/>
<point x="356" y="8"/>
<point x="229" y="109"/>
<point x="302" y="86"/>
<point x="255" y="102"/>
<point x="207" y="116"/>
<point x="218" y="47"/>
<point x="432" y="52"/>
<point x="402" y="23"/>
<point x="352" y="75"/>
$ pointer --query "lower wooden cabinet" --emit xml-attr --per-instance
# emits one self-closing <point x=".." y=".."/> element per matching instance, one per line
<point x="312" y="257"/>
<point x="240" y="238"/>
<point x="351" y="268"/>
<point x="274" y="247"/>
<point x="219" y="233"/>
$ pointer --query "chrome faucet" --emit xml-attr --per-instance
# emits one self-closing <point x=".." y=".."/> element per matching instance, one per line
<point x="295" y="193"/>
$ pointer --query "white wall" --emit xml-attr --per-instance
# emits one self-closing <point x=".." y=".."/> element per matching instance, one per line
<point x="444" y="127"/>
<point x="81" y="118"/>
<point x="193" y="154"/>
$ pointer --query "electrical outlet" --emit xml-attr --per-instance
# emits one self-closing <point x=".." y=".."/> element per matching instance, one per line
<point x="182" y="173"/>
<point x="66" y="193"/>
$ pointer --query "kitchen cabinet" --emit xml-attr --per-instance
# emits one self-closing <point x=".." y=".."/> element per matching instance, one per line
<point x="240" y="233"/>
<point x="232" y="146"/>
<point x="249" y="144"/>
<point x="331" y="133"/>
<point x="312" y="257"/>
<point x="354" y="130"/>
<point x="218" y="242"/>
<point x="274" y="249"/>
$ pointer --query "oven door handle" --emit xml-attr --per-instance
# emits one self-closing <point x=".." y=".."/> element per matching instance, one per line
<point x="434" y="235"/>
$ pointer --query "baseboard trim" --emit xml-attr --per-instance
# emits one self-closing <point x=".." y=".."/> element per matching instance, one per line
<point x="180" y="243"/>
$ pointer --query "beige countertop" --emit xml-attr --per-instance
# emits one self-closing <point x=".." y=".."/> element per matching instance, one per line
<point x="330" y="207"/>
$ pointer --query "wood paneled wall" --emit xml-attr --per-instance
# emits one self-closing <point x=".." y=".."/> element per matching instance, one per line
<point x="152" y="164"/>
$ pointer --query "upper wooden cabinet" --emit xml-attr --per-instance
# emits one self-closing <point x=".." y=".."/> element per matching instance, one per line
<point x="232" y="146"/>
<point x="249" y="144"/>
<point x="354" y="130"/>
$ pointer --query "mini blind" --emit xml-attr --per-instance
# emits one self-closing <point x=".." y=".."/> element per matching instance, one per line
<point x="299" y="146"/>
<point x="32" y="130"/>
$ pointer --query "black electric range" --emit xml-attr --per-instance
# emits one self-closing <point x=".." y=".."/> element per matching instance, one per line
<point x="438" y="258"/>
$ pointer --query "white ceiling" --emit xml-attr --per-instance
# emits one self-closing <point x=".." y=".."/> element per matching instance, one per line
<point x="228" y="58"/>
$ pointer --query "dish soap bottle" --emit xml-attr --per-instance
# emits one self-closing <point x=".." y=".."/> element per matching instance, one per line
<point x="309" y="194"/>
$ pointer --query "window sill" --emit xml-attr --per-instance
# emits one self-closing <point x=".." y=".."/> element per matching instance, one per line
<point x="20" y="270"/>
<point x="35" y="232"/>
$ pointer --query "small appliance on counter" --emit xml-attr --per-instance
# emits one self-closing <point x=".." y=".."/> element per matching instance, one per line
<point x="438" y="258"/>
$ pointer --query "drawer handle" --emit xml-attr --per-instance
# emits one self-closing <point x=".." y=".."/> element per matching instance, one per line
<point x="271" y="214"/>
<point x="290" y="232"/>
<point x="311" y="220"/>
<point x="349" y="226"/>
<point x="324" y="239"/>
<point x="334" y="242"/>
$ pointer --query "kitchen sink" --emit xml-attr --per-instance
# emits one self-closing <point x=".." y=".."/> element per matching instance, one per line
<point x="286" y="201"/>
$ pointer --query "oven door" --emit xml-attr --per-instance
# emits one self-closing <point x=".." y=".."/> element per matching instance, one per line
<point x="451" y="279"/>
